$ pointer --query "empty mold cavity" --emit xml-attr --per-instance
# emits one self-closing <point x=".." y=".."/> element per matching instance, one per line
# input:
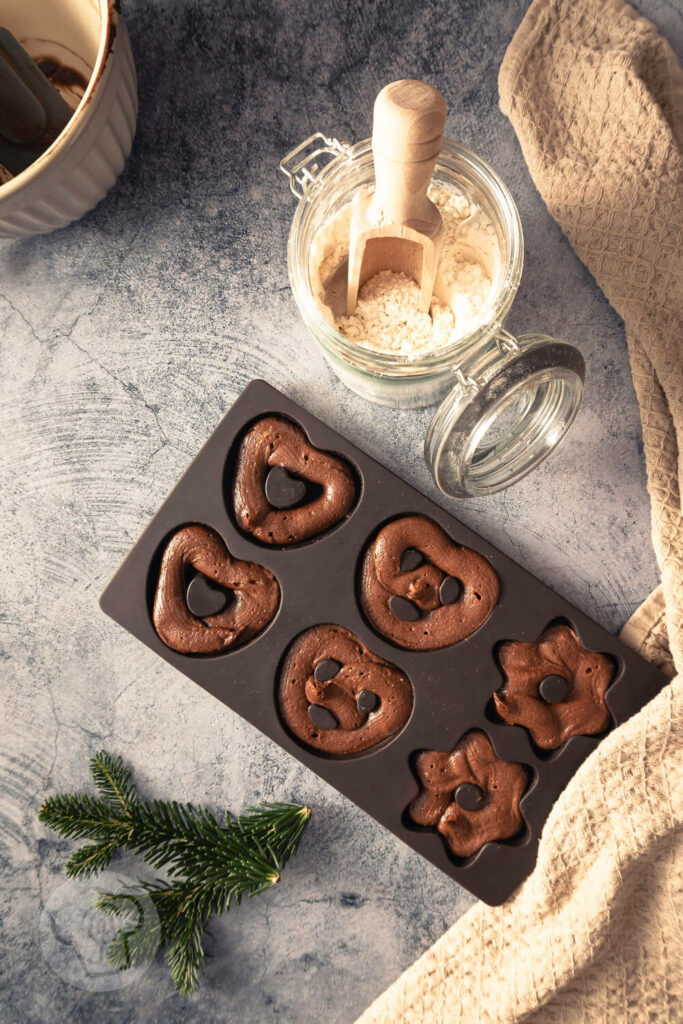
<point x="466" y="790"/>
<point x="420" y="589"/>
<point x="540" y="702"/>
<point x="339" y="699"/>
<point x="281" y="490"/>
<point x="193" y="608"/>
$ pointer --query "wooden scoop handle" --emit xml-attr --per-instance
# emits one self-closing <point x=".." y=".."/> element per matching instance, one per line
<point x="407" y="132"/>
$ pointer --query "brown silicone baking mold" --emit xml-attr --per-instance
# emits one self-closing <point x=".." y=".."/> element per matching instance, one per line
<point x="318" y="578"/>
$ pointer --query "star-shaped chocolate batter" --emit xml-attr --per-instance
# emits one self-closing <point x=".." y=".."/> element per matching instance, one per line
<point x="530" y="695"/>
<point x="469" y="794"/>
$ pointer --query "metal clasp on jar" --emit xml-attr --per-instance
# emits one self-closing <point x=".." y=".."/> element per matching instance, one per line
<point x="303" y="164"/>
<point x="506" y="343"/>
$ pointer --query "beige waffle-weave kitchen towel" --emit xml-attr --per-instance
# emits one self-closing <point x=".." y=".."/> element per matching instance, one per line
<point x="595" y="934"/>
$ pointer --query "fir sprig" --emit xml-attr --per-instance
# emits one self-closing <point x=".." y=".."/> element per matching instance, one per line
<point x="211" y="865"/>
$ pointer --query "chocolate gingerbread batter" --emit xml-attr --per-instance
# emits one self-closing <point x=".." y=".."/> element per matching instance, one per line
<point x="435" y="623"/>
<point x="523" y="700"/>
<point x="493" y="816"/>
<point x="276" y="442"/>
<point x="256" y="595"/>
<point x="344" y="694"/>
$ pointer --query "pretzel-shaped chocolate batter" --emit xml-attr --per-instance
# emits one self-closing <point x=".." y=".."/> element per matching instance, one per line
<point x="257" y="595"/>
<point x="360" y="672"/>
<point x="490" y="808"/>
<point x="557" y="655"/>
<point x="274" y="441"/>
<point x="440" y="624"/>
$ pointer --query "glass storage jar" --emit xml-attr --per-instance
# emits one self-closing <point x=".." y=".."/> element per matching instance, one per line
<point x="506" y="402"/>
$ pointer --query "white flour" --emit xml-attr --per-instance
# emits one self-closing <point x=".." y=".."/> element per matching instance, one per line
<point x="387" y="317"/>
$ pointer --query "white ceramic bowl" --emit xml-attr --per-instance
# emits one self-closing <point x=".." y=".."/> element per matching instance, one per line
<point x="83" y="163"/>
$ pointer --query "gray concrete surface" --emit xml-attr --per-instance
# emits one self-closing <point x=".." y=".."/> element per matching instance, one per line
<point x="124" y="340"/>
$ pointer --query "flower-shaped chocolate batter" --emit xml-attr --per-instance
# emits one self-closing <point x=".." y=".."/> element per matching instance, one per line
<point x="338" y="697"/>
<point x="554" y="687"/>
<point x="255" y="595"/>
<point x="275" y="443"/>
<point x="469" y="794"/>
<point x="404" y="585"/>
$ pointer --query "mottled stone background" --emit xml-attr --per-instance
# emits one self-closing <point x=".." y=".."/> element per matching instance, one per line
<point x="124" y="340"/>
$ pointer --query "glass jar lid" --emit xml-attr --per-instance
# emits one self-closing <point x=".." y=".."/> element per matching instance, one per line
<point x="511" y="406"/>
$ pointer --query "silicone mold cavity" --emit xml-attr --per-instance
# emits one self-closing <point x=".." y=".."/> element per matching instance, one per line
<point x="314" y="489"/>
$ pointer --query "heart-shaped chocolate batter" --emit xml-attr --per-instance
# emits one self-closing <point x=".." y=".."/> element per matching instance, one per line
<point x="255" y="589"/>
<point x="277" y="442"/>
<point x="421" y="590"/>
<point x="361" y="723"/>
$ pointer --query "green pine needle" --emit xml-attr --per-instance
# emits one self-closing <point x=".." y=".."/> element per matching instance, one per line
<point x="185" y="957"/>
<point x="211" y="866"/>
<point x="138" y="940"/>
<point x="281" y="833"/>
<point x="88" y="860"/>
<point x="113" y="781"/>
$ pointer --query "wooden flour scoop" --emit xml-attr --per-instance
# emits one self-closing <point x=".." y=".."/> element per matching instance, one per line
<point x="397" y="228"/>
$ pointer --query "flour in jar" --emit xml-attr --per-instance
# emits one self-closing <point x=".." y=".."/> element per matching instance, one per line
<point x="387" y="316"/>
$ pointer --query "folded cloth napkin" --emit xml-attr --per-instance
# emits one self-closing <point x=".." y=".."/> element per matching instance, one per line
<point x="595" y="934"/>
